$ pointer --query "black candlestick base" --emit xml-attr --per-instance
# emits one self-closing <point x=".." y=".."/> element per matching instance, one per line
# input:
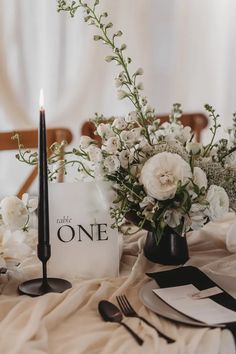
<point x="37" y="287"/>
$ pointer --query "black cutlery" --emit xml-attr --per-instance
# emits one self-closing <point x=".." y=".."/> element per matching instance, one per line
<point x="128" y="311"/>
<point x="111" y="313"/>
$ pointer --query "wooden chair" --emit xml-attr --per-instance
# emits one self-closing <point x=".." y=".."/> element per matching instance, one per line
<point x="197" y="121"/>
<point x="29" y="138"/>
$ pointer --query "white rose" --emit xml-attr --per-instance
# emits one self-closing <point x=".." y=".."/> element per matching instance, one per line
<point x="105" y="131"/>
<point x="162" y="172"/>
<point x="14" y="212"/>
<point x="111" y="163"/>
<point x="199" y="177"/>
<point x="218" y="201"/>
<point x="85" y="141"/>
<point x="112" y="144"/>
<point x="119" y="123"/>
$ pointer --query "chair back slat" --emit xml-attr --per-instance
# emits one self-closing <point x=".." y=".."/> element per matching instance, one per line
<point x="29" y="138"/>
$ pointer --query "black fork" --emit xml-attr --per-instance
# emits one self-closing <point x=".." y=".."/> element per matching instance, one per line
<point x="129" y="311"/>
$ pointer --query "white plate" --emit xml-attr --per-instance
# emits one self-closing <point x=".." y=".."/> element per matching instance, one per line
<point x="155" y="304"/>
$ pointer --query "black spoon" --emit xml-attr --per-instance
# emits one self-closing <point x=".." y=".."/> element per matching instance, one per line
<point x="111" y="313"/>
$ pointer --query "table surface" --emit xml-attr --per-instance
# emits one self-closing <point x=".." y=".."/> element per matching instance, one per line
<point x="69" y="323"/>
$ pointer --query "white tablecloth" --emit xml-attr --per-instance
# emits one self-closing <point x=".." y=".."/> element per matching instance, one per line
<point x="69" y="323"/>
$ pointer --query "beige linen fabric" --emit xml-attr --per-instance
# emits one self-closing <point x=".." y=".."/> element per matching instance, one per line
<point x="69" y="323"/>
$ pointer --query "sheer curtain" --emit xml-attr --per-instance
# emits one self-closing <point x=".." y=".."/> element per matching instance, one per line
<point x="185" y="47"/>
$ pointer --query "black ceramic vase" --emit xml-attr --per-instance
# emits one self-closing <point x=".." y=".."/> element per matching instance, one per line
<point x="172" y="249"/>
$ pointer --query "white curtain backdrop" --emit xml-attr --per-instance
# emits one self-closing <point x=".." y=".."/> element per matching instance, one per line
<point x="187" y="49"/>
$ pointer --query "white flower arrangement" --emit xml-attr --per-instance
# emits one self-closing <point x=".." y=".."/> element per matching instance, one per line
<point x="161" y="176"/>
<point x="17" y="238"/>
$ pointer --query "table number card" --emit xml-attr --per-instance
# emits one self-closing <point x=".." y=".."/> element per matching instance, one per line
<point x="83" y="244"/>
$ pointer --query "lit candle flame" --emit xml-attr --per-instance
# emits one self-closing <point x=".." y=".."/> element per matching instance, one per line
<point x="41" y="100"/>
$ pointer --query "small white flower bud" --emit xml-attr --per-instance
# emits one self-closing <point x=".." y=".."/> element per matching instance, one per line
<point x="121" y="94"/>
<point x="109" y="58"/>
<point x="139" y="72"/>
<point x="109" y="25"/>
<point x="194" y="148"/>
<point x="140" y="86"/>
<point x="97" y="37"/>
<point x="118" y="82"/>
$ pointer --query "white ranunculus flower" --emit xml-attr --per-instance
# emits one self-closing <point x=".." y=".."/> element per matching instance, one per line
<point x="105" y="131"/>
<point x="162" y="172"/>
<point x="14" y="212"/>
<point x="218" y="201"/>
<point x="119" y="123"/>
<point x="199" y="177"/>
<point x="85" y="141"/>
<point x="111" y="163"/>
<point x="112" y="144"/>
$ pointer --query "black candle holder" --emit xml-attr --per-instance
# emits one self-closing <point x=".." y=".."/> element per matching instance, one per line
<point x="44" y="285"/>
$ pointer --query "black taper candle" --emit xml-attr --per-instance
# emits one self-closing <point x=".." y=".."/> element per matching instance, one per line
<point x="44" y="285"/>
<point x="44" y="249"/>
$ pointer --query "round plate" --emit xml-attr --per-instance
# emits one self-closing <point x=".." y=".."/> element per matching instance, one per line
<point x="155" y="304"/>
